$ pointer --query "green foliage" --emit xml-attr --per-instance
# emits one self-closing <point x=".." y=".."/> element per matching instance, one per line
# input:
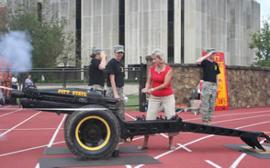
<point x="49" y="40"/>
<point x="3" y="20"/>
<point x="261" y="44"/>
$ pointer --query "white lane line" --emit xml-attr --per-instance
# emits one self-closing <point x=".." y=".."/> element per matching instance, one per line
<point x="21" y="123"/>
<point x="162" y="134"/>
<point x="185" y="148"/>
<point x="240" y="158"/>
<point x="54" y="136"/>
<point x="56" y="131"/>
<point x="200" y="139"/>
<point x="234" y="114"/>
<point x="140" y="137"/>
<point x="237" y="119"/>
<point x="31" y="129"/>
<point x="133" y="118"/>
<point x="69" y="109"/>
<point x="6" y="114"/>
<point x="217" y="116"/>
<point x="213" y="164"/>
<point x="130" y="116"/>
<point x="28" y="149"/>
<point x="182" y="146"/>
<point x="255" y="124"/>
<point x="7" y="107"/>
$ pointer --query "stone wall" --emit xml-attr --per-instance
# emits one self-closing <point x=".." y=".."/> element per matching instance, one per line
<point x="247" y="86"/>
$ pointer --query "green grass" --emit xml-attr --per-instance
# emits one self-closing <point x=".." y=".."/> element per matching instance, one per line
<point x="133" y="102"/>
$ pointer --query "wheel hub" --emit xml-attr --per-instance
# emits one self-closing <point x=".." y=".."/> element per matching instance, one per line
<point x="93" y="133"/>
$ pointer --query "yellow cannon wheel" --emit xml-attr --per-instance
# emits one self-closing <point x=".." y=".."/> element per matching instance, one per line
<point x="92" y="134"/>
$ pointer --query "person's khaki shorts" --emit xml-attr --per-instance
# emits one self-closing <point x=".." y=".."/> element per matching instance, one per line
<point x="159" y="104"/>
<point x="155" y="104"/>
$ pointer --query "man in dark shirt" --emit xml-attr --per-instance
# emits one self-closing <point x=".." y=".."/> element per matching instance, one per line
<point x="96" y="70"/>
<point x="115" y="82"/>
<point x="209" y="86"/>
<point x="115" y="78"/>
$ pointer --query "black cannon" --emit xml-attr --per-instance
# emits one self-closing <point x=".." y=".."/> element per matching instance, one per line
<point x="93" y="130"/>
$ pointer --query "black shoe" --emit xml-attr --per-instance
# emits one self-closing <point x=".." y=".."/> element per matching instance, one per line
<point x="115" y="153"/>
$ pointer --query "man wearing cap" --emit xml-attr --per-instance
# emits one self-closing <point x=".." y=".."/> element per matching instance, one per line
<point x="115" y="83"/>
<point x="209" y="86"/>
<point x="115" y="79"/>
<point x="96" y="70"/>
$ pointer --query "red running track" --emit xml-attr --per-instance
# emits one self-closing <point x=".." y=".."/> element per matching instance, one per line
<point x="24" y="134"/>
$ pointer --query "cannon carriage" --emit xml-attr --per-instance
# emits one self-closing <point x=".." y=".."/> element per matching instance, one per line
<point x="92" y="128"/>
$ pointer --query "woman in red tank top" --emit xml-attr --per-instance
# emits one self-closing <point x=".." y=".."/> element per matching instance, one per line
<point x="159" y="87"/>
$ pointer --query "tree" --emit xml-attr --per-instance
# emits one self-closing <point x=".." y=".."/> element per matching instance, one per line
<point x="49" y="40"/>
<point x="261" y="44"/>
<point x="3" y="20"/>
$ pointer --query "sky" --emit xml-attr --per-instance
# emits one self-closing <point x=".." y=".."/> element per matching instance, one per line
<point x="265" y="8"/>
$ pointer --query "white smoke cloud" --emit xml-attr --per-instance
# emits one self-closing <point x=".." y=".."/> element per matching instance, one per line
<point x="16" y="49"/>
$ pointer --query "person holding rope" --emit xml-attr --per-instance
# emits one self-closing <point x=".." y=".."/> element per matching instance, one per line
<point x="159" y="87"/>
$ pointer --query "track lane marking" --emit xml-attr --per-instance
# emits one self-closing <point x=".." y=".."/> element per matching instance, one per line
<point x="130" y="116"/>
<point x="28" y="149"/>
<point x="200" y="139"/>
<point x="217" y="116"/>
<point x="179" y="144"/>
<point x="183" y="146"/>
<point x="30" y="129"/>
<point x="237" y="114"/>
<point x="21" y="123"/>
<point x="162" y="134"/>
<point x="54" y="136"/>
<point x="212" y="164"/>
<point x="6" y="107"/>
<point x="187" y="149"/>
<point x="6" y="114"/>
<point x="240" y="158"/>
<point x="237" y="119"/>
<point x="56" y="131"/>
<point x="62" y="142"/>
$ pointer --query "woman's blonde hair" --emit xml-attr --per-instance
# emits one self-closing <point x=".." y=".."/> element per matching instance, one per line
<point x="159" y="54"/>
